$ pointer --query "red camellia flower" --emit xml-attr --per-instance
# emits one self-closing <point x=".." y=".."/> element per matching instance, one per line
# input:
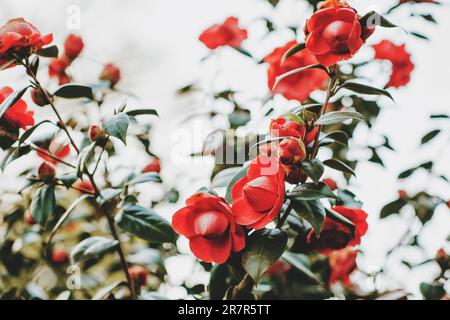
<point x="153" y="166"/>
<point x="336" y="236"/>
<point x="334" y="33"/>
<point x="59" y="149"/>
<point x="225" y="34"/>
<point x="297" y="86"/>
<point x="291" y="151"/>
<point x="46" y="170"/>
<point x="73" y="46"/>
<point x="57" y="69"/>
<point x="258" y="197"/>
<point x="20" y="37"/>
<point x="284" y="127"/>
<point x="208" y="222"/>
<point x="110" y="73"/>
<point x="402" y="65"/>
<point x="342" y="263"/>
<point x="18" y="115"/>
<point x="138" y="274"/>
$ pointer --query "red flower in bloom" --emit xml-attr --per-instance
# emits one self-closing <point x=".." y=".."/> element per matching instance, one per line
<point x="60" y="257"/>
<point x="18" y="115"/>
<point x="84" y="186"/>
<point x="138" y="274"/>
<point x="153" y="166"/>
<point x="402" y="65"/>
<point x="57" y="148"/>
<point x="73" y="46"/>
<point x="342" y="263"/>
<point x="20" y="37"/>
<point x="57" y="69"/>
<point x="110" y="73"/>
<point x="258" y="197"/>
<point x="297" y="86"/>
<point x="291" y="151"/>
<point x="334" y="33"/>
<point x="284" y="127"/>
<point x="226" y="34"/>
<point x="208" y="222"/>
<point x="330" y="183"/>
<point x="336" y="236"/>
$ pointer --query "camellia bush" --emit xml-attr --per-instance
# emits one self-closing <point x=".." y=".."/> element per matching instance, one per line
<point x="271" y="224"/>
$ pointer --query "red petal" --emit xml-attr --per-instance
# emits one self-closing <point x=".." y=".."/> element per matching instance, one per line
<point x="244" y="213"/>
<point x="316" y="43"/>
<point x="238" y="239"/>
<point x="236" y="190"/>
<point x="183" y="221"/>
<point x="210" y="223"/>
<point x="261" y="193"/>
<point x="217" y="250"/>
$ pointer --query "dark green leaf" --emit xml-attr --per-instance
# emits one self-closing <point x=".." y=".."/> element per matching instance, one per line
<point x="12" y="100"/>
<point x="48" y="52"/>
<point x="92" y="248"/>
<point x="334" y="117"/>
<point x="218" y="284"/>
<point x="429" y="136"/>
<point x="145" y="177"/>
<point x="311" y="191"/>
<point x="364" y="89"/>
<point x="68" y="179"/>
<point x="83" y="158"/>
<point x="14" y="154"/>
<point x="432" y="291"/>
<point x="297" y="260"/>
<point x="335" y="216"/>
<point x="146" y="224"/>
<point x="73" y="91"/>
<point x="292" y="50"/>
<point x="372" y="19"/>
<point x="139" y="112"/>
<point x="264" y="247"/>
<point x="406" y="173"/>
<point x="117" y="126"/>
<point x="393" y="207"/>
<point x="313" y="169"/>
<point x="312" y="211"/>
<point x="339" y="136"/>
<point x="30" y="131"/>
<point x="239" y="118"/>
<point x="339" y="165"/>
<point x="43" y="203"/>
<point x="419" y="35"/>
<point x="107" y="195"/>
<point x="439" y="116"/>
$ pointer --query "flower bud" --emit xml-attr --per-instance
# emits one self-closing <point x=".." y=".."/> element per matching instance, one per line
<point x="330" y="183"/>
<point x="153" y="166"/>
<point x="29" y="219"/>
<point x="139" y="275"/>
<point x="60" y="257"/>
<point x="110" y="73"/>
<point x="73" y="46"/>
<point x="402" y="194"/>
<point x="39" y="97"/>
<point x="94" y="132"/>
<point x="46" y="170"/>
<point x="291" y="151"/>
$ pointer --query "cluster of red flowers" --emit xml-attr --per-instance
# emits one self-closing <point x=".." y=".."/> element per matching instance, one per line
<point x="58" y="66"/>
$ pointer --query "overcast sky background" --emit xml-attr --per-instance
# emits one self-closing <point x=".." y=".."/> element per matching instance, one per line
<point x="154" y="42"/>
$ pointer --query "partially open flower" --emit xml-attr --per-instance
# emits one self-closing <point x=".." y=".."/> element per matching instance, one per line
<point x="139" y="275"/>
<point x="84" y="186"/>
<point x="208" y="222"/>
<point x="342" y="263"/>
<point x="39" y="97"/>
<point x="58" y="148"/>
<point x="291" y="151"/>
<point x="46" y="170"/>
<point x="73" y="46"/>
<point x="225" y="34"/>
<point x="153" y="166"/>
<point x="110" y="73"/>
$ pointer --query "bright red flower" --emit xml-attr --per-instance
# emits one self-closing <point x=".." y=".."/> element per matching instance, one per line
<point x="258" y="197"/>
<point x="18" y="115"/>
<point x="208" y="222"/>
<point x="138" y="274"/>
<point x="297" y="86"/>
<point x="330" y="183"/>
<point x="84" y="186"/>
<point x="342" y="263"/>
<point x="73" y="46"/>
<point x="291" y="151"/>
<point x="46" y="170"/>
<point x="335" y="236"/>
<point x="402" y="65"/>
<point x="60" y="257"/>
<point x="225" y="34"/>
<point x="284" y="127"/>
<point x="20" y="37"/>
<point x="59" y="149"/>
<point x="334" y="33"/>
<point x="153" y="166"/>
<point x="110" y="73"/>
<point x="57" y="69"/>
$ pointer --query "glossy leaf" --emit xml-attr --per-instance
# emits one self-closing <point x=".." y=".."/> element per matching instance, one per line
<point x="117" y="126"/>
<point x="334" y="117"/>
<point x="313" y="169"/>
<point x="92" y="248"/>
<point x="73" y="91"/>
<point x="312" y="211"/>
<point x="364" y="89"/>
<point x="43" y="203"/>
<point x="12" y="100"/>
<point x="339" y="165"/>
<point x="311" y="191"/>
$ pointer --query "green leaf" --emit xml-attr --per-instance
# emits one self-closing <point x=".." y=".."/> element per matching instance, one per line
<point x="218" y="284"/>
<point x="429" y="136"/>
<point x="107" y="195"/>
<point x="392" y="208"/>
<point x="30" y="131"/>
<point x="335" y="216"/>
<point x="14" y="154"/>
<point x="339" y="136"/>
<point x="106" y="291"/>
<point x="243" y="51"/>
<point x="239" y="118"/>
<point x="432" y="291"/>
<point x="297" y="260"/>
<point x="92" y="248"/>
<point x="237" y="176"/>
<point x="264" y="247"/>
<point x="73" y="91"/>
<point x="223" y="177"/>
<point x="145" y="177"/>
<point x="439" y="116"/>
<point x="292" y="50"/>
<point x="48" y="52"/>
<point x="311" y="191"/>
<point x="364" y="89"/>
<point x="406" y="173"/>
<point x="419" y="35"/>
<point x="140" y="112"/>
<point x="12" y="100"/>
<point x="312" y="211"/>
<point x="43" y="203"/>
<point x="313" y="169"/>
<point x="83" y="158"/>
<point x="297" y="70"/>
<point x="68" y="179"/>
<point x="372" y="19"/>
<point x="117" y="126"/>
<point x="145" y="223"/>
<point x="339" y="165"/>
<point x="334" y="117"/>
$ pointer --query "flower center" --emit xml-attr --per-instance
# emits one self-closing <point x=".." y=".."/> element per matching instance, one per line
<point x="260" y="193"/>
<point x="336" y="35"/>
<point x="211" y="224"/>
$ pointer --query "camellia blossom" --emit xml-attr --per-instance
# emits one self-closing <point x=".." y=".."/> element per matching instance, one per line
<point x="73" y="46"/>
<point x="208" y="222"/>
<point x="225" y="34"/>
<point x="138" y="274"/>
<point x="18" y="115"/>
<point x="153" y="166"/>
<point x="402" y="65"/>
<point x="287" y="127"/>
<point x="335" y="235"/>
<point x="297" y="86"/>
<point x="334" y="33"/>
<point x="20" y="37"/>
<point x="291" y="151"/>
<point x="110" y="73"/>
<point x="57" y="148"/>
<point x="342" y="263"/>
<point x="57" y="69"/>
<point x="258" y="196"/>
